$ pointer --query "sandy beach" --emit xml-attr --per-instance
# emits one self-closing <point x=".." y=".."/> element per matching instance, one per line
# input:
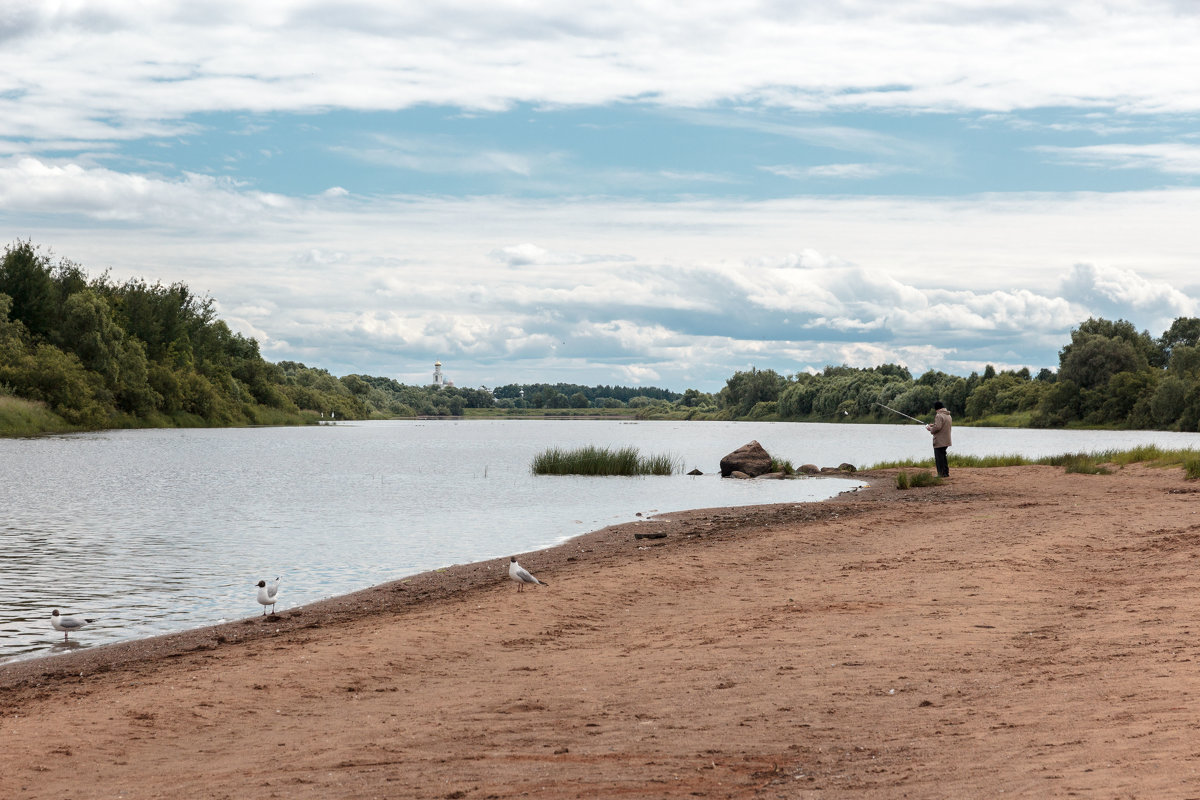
<point x="1017" y="631"/>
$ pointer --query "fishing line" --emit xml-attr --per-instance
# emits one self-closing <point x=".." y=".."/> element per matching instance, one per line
<point x="901" y="413"/>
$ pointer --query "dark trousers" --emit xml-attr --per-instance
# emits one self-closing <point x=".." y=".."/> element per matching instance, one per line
<point x="939" y="459"/>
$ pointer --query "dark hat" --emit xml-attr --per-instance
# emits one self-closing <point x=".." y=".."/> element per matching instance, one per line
<point x="939" y="404"/>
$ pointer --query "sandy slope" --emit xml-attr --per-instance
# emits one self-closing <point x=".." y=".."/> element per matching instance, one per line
<point x="1019" y="631"/>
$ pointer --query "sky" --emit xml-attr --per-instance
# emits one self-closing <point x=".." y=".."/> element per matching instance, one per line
<point x="627" y="193"/>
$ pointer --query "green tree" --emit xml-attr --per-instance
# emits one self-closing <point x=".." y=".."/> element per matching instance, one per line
<point x="555" y="399"/>
<point x="1122" y="330"/>
<point x="1124" y="393"/>
<point x="60" y="381"/>
<point x="1061" y="404"/>
<point x="916" y="401"/>
<point x="1091" y="360"/>
<point x="26" y="276"/>
<point x="1185" y="360"/>
<point x="796" y="400"/>
<point x="89" y="330"/>
<point x="1169" y="401"/>
<point x="1184" y="332"/>
<point x="746" y="389"/>
<point x="694" y="397"/>
<point x="1005" y="393"/>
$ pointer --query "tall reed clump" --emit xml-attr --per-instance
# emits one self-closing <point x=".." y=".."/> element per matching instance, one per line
<point x="1191" y="464"/>
<point x="916" y="480"/>
<point x="592" y="460"/>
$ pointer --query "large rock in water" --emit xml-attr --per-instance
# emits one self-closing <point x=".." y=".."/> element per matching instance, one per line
<point x="750" y="458"/>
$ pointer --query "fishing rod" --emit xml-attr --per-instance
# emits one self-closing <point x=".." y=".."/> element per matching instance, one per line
<point x="901" y="413"/>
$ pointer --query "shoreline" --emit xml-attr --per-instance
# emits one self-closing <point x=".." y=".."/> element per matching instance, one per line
<point x="433" y="585"/>
<point x="1018" y="629"/>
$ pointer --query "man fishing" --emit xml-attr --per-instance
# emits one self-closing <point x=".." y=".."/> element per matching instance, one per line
<point x="940" y="428"/>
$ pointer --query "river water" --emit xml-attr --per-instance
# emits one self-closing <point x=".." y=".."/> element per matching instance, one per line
<point x="153" y="531"/>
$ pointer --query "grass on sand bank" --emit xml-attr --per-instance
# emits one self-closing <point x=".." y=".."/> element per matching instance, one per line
<point x="593" y="460"/>
<point x="916" y="480"/>
<point x="1097" y="463"/>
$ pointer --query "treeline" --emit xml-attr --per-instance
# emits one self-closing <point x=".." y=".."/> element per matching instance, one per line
<point x="98" y="353"/>
<point x="570" y="395"/>
<point x="1109" y="375"/>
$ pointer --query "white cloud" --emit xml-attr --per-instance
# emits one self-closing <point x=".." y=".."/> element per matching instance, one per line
<point x="66" y="70"/>
<point x="31" y="185"/>
<point x="855" y="172"/>
<point x="318" y="258"/>
<point x="433" y="156"/>
<point x="1168" y="157"/>
<point x="524" y="254"/>
<point x="1112" y="292"/>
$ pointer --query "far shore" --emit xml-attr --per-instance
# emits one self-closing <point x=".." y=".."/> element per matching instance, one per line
<point x="1018" y="630"/>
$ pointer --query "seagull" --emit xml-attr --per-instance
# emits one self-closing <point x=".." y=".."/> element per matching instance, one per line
<point x="521" y="575"/>
<point x="67" y="624"/>
<point x="267" y="592"/>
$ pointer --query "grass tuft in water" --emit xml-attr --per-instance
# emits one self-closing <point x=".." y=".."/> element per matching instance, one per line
<point x="592" y="460"/>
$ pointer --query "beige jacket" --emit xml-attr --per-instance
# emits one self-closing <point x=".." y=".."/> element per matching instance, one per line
<point x="940" y="428"/>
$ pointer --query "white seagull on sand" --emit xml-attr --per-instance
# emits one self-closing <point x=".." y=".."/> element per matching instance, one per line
<point x="267" y="592"/>
<point x="521" y="575"/>
<point x="67" y="624"/>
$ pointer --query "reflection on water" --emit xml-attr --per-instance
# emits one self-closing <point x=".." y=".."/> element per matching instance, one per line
<point x="155" y="531"/>
<point x="69" y="646"/>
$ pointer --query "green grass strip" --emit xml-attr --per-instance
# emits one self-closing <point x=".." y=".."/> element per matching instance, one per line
<point x="1092" y="463"/>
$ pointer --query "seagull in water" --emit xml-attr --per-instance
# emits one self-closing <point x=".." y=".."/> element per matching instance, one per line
<point x="267" y="592"/>
<point x="67" y="624"/>
<point x="521" y="575"/>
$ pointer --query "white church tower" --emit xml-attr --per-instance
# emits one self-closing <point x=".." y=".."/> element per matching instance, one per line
<point x="438" y="380"/>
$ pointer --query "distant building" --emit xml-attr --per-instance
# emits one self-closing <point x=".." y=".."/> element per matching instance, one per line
<point x="439" y="380"/>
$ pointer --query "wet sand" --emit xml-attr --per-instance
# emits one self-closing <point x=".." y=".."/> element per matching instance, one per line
<point x="1017" y="631"/>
